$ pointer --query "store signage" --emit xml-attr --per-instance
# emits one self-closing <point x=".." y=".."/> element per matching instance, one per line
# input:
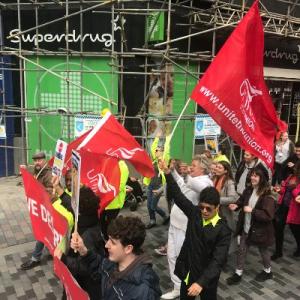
<point x="94" y="33"/>
<point x="206" y="126"/>
<point x="72" y="37"/>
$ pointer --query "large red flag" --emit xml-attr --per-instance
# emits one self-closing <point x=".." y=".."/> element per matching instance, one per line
<point x="48" y="225"/>
<point x="101" y="174"/>
<point x="234" y="93"/>
<point x="110" y="138"/>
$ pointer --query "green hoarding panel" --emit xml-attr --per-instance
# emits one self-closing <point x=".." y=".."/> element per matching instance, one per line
<point x="49" y="92"/>
<point x="169" y="91"/>
<point x="182" y="144"/>
<point x="155" y="25"/>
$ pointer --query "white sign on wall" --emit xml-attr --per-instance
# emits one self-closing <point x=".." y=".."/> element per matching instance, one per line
<point x="83" y="123"/>
<point x="206" y="126"/>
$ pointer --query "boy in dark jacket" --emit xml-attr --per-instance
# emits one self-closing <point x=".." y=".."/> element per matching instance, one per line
<point x="206" y="243"/>
<point x="128" y="273"/>
<point x="90" y="231"/>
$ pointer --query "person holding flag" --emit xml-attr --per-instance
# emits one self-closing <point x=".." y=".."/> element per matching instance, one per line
<point x="90" y="230"/>
<point x="206" y="242"/>
<point x="43" y="173"/>
<point x="127" y="273"/>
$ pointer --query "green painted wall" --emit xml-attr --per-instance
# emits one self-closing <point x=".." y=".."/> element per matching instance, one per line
<point x="46" y="91"/>
<point x="183" y="139"/>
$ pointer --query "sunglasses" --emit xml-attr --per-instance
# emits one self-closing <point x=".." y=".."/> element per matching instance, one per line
<point x="209" y="209"/>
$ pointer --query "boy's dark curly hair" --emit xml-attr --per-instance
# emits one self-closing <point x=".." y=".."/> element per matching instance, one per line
<point x="88" y="202"/>
<point x="130" y="231"/>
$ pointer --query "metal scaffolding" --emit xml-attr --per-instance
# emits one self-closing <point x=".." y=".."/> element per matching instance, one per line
<point x="205" y="17"/>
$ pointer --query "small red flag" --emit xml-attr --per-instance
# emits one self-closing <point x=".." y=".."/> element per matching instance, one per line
<point x="110" y="138"/>
<point x="234" y="93"/>
<point x="101" y="174"/>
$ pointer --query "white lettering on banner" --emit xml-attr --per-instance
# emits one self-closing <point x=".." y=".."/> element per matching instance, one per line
<point x="41" y="212"/>
<point x="71" y="37"/>
<point x="32" y="206"/>
<point x="283" y="55"/>
<point x="93" y="181"/>
<point x="230" y="115"/>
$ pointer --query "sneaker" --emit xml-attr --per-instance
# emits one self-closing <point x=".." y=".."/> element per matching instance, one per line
<point x="276" y="256"/>
<point x="234" y="279"/>
<point x="161" y="250"/>
<point x="30" y="264"/>
<point x="263" y="276"/>
<point x="171" y="295"/>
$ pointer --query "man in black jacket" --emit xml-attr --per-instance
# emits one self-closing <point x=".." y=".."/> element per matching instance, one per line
<point x="206" y="243"/>
<point x="127" y="274"/>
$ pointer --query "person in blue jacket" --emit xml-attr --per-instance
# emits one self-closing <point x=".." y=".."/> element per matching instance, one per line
<point x="127" y="273"/>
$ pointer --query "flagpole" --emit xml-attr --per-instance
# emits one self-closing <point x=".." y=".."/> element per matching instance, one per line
<point x="195" y="34"/>
<point x="177" y="122"/>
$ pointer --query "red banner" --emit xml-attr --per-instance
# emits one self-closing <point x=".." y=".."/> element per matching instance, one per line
<point x="72" y="288"/>
<point x="234" y="93"/>
<point x="48" y="225"/>
<point x="101" y="174"/>
<point x="110" y="138"/>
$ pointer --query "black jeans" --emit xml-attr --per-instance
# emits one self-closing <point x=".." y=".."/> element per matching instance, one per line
<point x="279" y="224"/>
<point x="206" y="294"/>
<point x="278" y="174"/>
<point x="295" y="229"/>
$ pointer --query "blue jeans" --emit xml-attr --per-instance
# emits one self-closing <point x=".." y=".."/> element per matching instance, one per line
<point x="152" y="201"/>
<point x="38" y="251"/>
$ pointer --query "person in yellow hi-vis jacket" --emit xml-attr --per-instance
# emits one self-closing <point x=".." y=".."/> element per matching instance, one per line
<point x="155" y="185"/>
<point x="112" y="210"/>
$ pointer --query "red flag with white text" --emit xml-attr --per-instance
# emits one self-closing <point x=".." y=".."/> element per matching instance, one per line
<point x="234" y="93"/>
<point x="110" y="138"/>
<point x="72" y="288"/>
<point x="48" y="225"/>
<point x="101" y="174"/>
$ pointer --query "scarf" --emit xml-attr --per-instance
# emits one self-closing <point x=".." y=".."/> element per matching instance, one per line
<point x="219" y="182"/>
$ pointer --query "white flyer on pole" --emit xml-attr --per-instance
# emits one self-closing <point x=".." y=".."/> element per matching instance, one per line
<point x="76" y="167"/>
<point x="59" y="158"/>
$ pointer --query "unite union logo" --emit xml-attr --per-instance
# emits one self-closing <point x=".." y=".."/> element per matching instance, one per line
<point x="123" y="152"/>
<point x="104" y="186"/>
<point x="248" y="92"/>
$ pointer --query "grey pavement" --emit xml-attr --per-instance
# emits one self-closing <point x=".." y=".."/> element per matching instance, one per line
<point x="17" y="242"/>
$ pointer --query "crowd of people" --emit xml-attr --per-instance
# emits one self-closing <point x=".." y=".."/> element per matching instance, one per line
<point x="211" y="214"/>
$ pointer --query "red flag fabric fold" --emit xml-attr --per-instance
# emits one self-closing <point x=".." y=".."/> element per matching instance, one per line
<point x="72" y="288"/>
<point x="111" y="139"/>
<point x="101" y="174"/>
<point x="234" y="93"/>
